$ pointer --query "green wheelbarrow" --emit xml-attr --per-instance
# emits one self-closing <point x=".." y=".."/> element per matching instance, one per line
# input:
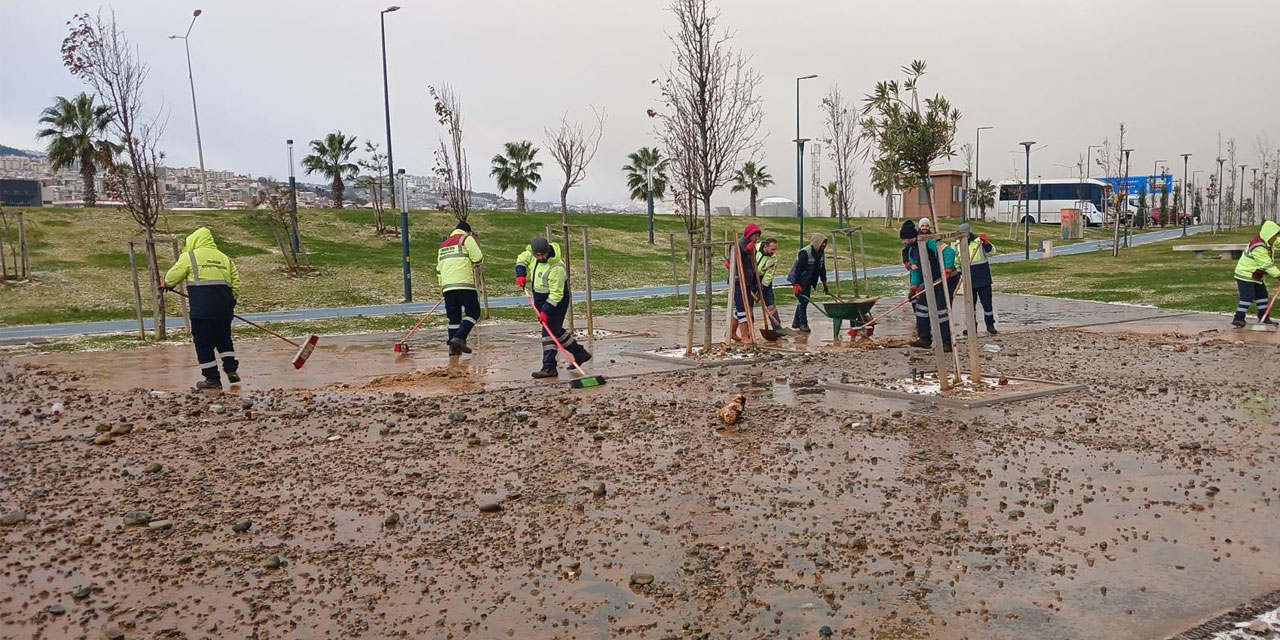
<point x="857" y="311"/>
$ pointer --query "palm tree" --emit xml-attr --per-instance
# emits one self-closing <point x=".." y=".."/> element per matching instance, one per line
<point x="984" y="197"/>
<point x="517" y="170"/>
<point x="331" y="157"/>
<point x="752" y="179"/>
<point x="638" y="173"/>
<point x="832" y="192"/>
<point x="77" y="135"/>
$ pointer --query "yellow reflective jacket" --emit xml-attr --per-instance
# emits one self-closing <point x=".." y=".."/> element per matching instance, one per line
<point x="456" y="261"/>
<point x="550" y="279"/>
<point x="1258" y="258"/>
<point x="213" y="283"/>
<point x="765" y="266"/>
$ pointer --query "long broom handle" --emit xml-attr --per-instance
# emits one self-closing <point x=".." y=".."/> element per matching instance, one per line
<point x="420" y="321"/>
<point x="567" y="355"/>
<point x="768" y="321"/>
<point x="248" y="322"/>
<point x="895" y="308"/>
<point x="1267" y="313"/>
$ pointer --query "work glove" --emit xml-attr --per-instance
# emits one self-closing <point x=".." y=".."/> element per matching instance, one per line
<point x="165" y="287"/>
<point x="520" y="280"/>
<point x="983" y="237"/>
<point x="911" y="291"/>
<point x="796" y="289"/>
<point x="947" y="272"/>
<point x="542" y="317"/>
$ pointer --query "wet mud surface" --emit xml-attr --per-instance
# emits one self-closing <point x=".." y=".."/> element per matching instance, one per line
<point x="446" y="504"/>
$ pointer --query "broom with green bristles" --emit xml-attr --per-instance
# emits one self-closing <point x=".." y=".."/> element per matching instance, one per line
<point x="577" y="383"/>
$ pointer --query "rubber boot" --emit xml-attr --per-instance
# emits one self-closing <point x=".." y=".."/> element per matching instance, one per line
<point x="459" y="344"/>
<point x="209" y="384"/>
<point x="545" y="373"/>
<point x="233" y="377"/>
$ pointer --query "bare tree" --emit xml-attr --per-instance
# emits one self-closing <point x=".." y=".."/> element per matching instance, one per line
<point x="1233" y="207"/>
<point x="841" y="121"/>
<point x="451" y="157"/>
<point x="1112" y="163"/>
<point x="573" y="148"/>
<point x="711" y="116"/>
<point x="97" y="51"/>
<point x="374" y="182"/>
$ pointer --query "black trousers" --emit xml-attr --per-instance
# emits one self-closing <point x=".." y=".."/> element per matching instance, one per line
<point x="463" y="308"/>
<point x="983" y="295"/>
<point x="210" y="336"/>
<point x="555" y="322"/>
<point x="921" y="308"/>
<point x="1254" y="293"/>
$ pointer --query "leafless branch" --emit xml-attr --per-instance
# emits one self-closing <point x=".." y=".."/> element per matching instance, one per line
<point x="573" y="148"/>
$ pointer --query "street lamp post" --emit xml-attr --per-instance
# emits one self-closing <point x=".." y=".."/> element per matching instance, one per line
<point x="1240" y="207"/>
<point x="649" y="196"/>
<point x="1217" y="214"/>
<point x="1026" y="207"/>
<point x="800" y="160"/>
<point x="1254" y="201"/>
<point x="404" y="238"/>
<point x="386" y="107"/>
<point x="293" y="201"/>
<point x="977" y="155"/>
<point x="1186" y="204"/>
<point x="195" y="113"/>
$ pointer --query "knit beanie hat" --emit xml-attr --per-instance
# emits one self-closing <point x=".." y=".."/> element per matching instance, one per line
<point x="908" y="231"/>
<point x="540" y="245"/>
<point x="963" y="228"/>
<point x="462" y="224"/>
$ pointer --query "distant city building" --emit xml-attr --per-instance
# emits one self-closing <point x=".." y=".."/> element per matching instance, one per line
<point x="15" y="192"/>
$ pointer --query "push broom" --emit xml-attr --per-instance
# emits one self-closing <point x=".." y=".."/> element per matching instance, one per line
<point x="403" y="345"/>
<point x="1261" y="326"/>
<point x="577" y="383"/>
<point x="304" y="349"/>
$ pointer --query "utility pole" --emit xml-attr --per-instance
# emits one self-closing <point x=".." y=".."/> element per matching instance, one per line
<point x="800" y="160"/>
<point x="1240" y="200"/>
<point x="1186" y="193"/>
<point x="1217" y="214"/>
<point x="977" y="156"/>
<point x="386" y="107"/>
<point x="293" y="201"/>
<point x="1026" y="196"/>
<point x="1253" y="209"/>
<point x="404" y="238"/>
<point x="186" y="42"/>
<point x="649" y="197"/>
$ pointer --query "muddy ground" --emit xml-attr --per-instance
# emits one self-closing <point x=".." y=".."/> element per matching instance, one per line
<point x="404" y="507"/>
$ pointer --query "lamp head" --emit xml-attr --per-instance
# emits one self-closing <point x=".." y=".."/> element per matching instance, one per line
<point x="174" y="37"/>
<point x="196" y="13"/>
<point x="808" y="77"/>
<point x="391" y="8"/>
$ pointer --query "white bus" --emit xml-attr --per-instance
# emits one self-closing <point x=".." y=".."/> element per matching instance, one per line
<point x="1047" y="198"/>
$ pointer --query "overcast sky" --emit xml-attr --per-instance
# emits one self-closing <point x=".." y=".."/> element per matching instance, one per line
<point x="1064" y="73"/>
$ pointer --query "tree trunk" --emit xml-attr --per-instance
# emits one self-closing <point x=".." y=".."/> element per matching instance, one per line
<point x="706" y="267"/>
<point x="520" y="203"/>
<point x="157" y="302"/>
<point x="753" y="202"/>
<point x="87" y="172"/>
<point x="888" y="209"/>
<point x="564" y="205"/>
<point x="338" y="189"/>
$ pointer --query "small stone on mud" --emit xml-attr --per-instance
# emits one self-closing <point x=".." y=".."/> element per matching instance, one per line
<point x="641" y="579"/>
<point x="13" y="517"/>
<point x="136" y="518"/>
<point x="218" y="409"/>
<point x="184" y="559"/>
<point x="55" y="609"/>
<point x="103" y="438"/>
<point x="392" y="520"/>
<point x="490" y="507"/>
<point x="154" y="467"/>
<point x="457" y="416"/>
<point x="273" y="562"/>
<point x="121" y="429"/>
<point x="598" y="489"/>
<point x="160" y="524"/>
<point x="82" y="593"/>
<point x="242" y="526"/>
<point x="113" y="633"/>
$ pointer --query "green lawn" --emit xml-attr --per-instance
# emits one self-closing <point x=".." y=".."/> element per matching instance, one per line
<point x="81" y="265"/>
<point x="1150" y="274"/>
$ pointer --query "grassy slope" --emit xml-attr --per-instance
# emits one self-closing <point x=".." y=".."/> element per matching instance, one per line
<point x="82" y="268"/>
<point x="1150" y="274"/>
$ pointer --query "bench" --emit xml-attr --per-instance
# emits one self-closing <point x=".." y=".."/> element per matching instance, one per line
<point x="1227" y="251"/>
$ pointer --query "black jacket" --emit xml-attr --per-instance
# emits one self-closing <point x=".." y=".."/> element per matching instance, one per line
<point x="808" y="271"/>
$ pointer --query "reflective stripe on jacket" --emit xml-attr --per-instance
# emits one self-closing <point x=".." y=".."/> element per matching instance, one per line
<point x="550" y="279"/>
<point x="456" y="260"/>
<point x="213" y="283"/>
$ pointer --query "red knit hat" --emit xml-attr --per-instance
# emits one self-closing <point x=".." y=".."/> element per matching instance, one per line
<point x="752" y="228"/>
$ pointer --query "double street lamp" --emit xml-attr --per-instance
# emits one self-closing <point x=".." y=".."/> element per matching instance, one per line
<point x="800" y="160"/>
<point x="1026" y="207"/>
<point x="186" y="41"/>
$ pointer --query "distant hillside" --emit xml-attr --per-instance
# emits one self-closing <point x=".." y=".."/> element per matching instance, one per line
<point x="13" y="151"/>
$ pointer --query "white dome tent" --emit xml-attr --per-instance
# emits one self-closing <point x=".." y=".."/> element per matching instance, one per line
<point x="774" y="207"/>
